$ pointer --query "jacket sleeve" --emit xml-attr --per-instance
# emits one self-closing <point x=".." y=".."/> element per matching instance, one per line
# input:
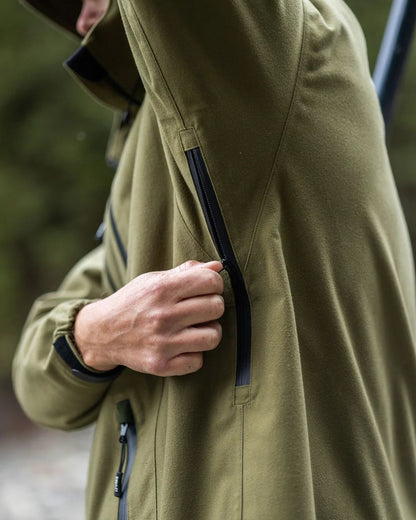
<point x="220" y="76"/>
<point x="54" y="387"/>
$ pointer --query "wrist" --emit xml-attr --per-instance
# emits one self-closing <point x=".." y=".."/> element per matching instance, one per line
<point x="87" y="331"/>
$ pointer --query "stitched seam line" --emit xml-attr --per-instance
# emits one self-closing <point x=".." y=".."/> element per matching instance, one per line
<point x="116" y="233"/>
<point x="155" y="450"/>
<point x="113" y="259"/>
<point x="282" y="138"/>
<point x="158" y="68"/>
<point x="110" y="278"/>
<point x="291" y="303"/>
<point x="242" y="462"/>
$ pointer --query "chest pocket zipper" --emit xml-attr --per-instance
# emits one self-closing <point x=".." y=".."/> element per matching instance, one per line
<point x="128" y="440"/>
<point x="218" y="231"/>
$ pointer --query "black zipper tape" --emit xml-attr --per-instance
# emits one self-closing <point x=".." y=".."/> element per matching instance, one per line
<point x="83" y="63"/>
<point x="128" y="441"/>
<point x="219" y="234"/>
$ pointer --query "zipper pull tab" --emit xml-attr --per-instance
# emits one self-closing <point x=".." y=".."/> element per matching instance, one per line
<point x="118" y="481"/>
<point x="226" y="265"/>
<point x="123" y="433"/>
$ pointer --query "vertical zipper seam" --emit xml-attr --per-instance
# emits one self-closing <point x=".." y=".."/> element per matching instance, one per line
<point x="219" y="234"/>
<point x="155" y="449"/>
<point x="242" y="459"/>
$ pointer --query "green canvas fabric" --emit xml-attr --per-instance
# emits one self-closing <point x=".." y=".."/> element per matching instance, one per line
<point x="278" y="98"/>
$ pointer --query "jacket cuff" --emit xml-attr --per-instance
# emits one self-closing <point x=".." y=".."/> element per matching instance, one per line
<point x="65" y="348"/>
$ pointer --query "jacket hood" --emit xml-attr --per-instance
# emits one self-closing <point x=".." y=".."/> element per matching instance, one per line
<point x="64" y="14"/>
<point x="103" y="64"/>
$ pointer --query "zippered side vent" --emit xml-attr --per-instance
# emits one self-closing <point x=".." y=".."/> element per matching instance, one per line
<point x="219" y="234"/>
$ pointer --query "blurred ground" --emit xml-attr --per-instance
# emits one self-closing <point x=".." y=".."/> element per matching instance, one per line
<point x="43" y="473"/>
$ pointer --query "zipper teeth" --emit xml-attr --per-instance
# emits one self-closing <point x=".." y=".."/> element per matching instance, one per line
<point x="220" y="237"/>
<point x="130" y="440"/>
<point x="205" y="188"/>
<point x="118" y="481"/>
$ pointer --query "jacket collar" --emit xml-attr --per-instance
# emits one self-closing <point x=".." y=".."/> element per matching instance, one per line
<point x="103" y="63"/>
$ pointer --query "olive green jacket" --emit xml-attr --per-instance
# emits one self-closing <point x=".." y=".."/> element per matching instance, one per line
<point x="258" y="141"/>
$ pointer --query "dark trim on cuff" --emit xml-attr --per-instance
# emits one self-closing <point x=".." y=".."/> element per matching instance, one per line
<point x="64" y="351"/>
<point x="84" y="64"/>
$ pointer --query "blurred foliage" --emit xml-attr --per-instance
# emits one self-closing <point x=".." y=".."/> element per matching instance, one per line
<point x="53" y="179"/>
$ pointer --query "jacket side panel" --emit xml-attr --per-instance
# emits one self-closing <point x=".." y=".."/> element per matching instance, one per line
<point x="351" y="275"/>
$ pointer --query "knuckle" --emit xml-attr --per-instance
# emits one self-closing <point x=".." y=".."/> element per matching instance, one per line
<point x="159" y="319"/>
<point x="211" y="277"/>
<point x="185" y="364"/>
<point x="190" y="263"/>
<point x="159" y="288"/>
<point x="215" y="281"/>
<point x="218" y="305"/>
<point x="193" y="363"/>
<point x="217" y="333"/>
<point x="155" y="365"/>
<point x="212" y="343"/>
<point x="212" y="337"/>
<point x="198" y="361"/>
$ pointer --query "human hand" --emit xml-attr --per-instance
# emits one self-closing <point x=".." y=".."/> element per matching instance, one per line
<point x="91" y="12"/>
<point x="159" y="323"/>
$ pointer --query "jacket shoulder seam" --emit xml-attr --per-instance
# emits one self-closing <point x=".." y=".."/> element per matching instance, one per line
<point x="158" y="68"/>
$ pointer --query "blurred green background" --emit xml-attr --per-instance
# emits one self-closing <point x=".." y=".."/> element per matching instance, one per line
<point x="53" y="177"/>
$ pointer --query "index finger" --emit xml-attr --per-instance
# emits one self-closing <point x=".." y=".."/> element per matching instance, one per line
<point x="198" y="280"/>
